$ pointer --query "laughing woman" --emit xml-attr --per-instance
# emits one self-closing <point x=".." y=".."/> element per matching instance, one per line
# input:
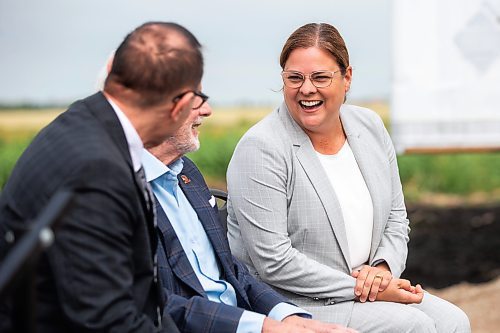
<point x="316" y="207"/>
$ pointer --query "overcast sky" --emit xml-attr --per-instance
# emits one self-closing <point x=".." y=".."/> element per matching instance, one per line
<point x="52" y="50"/>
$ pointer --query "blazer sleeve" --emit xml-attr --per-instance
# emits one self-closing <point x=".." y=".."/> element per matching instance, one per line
<point x="393" y="247"/>
<point x="259" y="183"/>
<point x="198" y="314"/>
<point x="261" y="297"/>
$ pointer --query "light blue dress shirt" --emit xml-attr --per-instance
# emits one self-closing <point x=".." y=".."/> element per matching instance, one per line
<point x="197" y="246"/>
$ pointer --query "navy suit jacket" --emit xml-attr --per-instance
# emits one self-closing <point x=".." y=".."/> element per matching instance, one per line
<point x="186" y="301"/>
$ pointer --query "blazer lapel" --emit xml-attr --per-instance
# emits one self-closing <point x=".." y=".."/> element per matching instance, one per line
<point x="177" y="259"/>
<point x="198" y="196"/>
<point x="305" y="153"/>
<point x="103" y="111"/>
<point x="362" y="150"/>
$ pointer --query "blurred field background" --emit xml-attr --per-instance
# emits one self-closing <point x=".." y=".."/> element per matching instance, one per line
<point x="438" y="179"/>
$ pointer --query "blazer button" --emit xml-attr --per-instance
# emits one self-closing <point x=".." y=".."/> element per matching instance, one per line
<point x="329" y="301"/>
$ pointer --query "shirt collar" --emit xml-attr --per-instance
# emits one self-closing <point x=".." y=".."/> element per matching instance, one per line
<point x="154" y="168"/>
<point x="133" y="139"/>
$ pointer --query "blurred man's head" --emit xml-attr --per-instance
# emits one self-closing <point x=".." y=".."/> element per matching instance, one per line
<point x="155" y="61"/>
<point x="154" y="77"/>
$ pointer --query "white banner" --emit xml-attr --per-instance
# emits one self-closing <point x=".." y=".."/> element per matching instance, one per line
<point x="446" y="75"/>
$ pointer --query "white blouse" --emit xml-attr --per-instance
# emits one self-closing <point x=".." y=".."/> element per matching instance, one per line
<point x="355" y="201"/>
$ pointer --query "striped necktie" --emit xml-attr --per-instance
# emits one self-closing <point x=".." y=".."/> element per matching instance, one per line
<point x="148" y="196"/>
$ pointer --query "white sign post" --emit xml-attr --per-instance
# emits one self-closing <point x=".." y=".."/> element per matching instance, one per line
<point x="446" y="75"/>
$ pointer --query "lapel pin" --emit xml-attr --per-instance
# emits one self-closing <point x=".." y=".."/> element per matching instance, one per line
<point x="185" y="179"/>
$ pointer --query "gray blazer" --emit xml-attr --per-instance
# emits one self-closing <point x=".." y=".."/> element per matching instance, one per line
<point x="285" y="221"/>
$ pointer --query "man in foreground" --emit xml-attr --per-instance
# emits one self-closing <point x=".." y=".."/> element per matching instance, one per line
<point x="99" y="274"/>
<point x="206" y="289"/>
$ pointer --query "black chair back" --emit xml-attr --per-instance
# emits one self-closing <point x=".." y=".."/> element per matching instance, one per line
<point x="222" y="196"/>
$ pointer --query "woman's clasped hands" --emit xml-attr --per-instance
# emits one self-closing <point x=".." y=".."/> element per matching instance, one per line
<point x="376" y="283"/>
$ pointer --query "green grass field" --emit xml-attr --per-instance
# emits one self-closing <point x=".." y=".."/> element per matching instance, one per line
<point x="444" y="178"/>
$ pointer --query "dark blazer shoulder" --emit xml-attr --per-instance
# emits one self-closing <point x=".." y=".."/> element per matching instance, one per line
<point x="96" y="126"/>
<point x="86" y="135"/>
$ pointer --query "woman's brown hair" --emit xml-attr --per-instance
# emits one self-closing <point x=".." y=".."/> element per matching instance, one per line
<point x="321" y="35"/>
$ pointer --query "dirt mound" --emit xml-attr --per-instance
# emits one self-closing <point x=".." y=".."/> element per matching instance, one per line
<point x="449" y="245"/>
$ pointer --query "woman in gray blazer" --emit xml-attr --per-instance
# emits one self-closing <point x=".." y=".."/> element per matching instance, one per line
<point x="316" y="207"/>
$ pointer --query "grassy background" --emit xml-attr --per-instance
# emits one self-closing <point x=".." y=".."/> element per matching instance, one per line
<point x="444" y="178"/>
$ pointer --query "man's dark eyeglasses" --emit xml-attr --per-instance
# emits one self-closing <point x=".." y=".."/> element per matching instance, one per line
<point x="199" y="98"/>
